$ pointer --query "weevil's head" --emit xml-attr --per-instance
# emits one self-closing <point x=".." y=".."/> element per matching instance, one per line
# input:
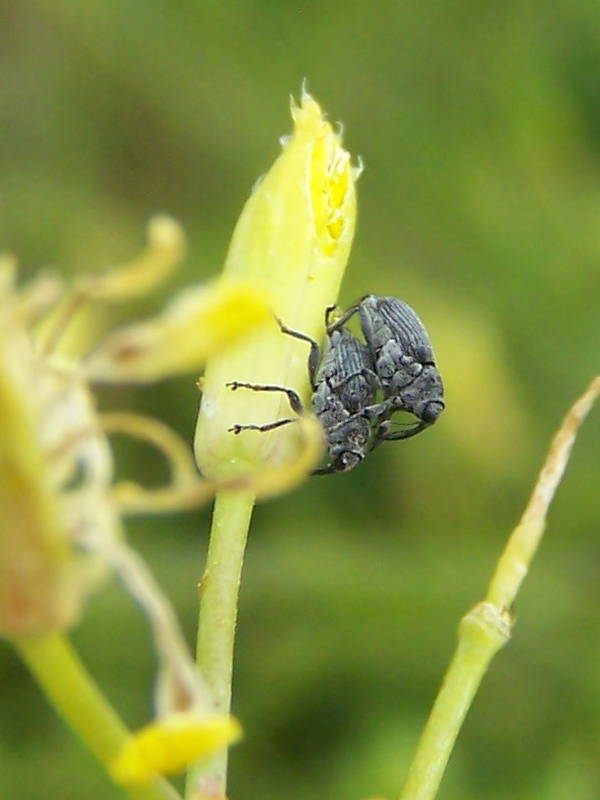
<point x="347" y="460"/>
<point x="424" y="397"/>
<point x="431" y="411"/>
<point x="349" y="442"/>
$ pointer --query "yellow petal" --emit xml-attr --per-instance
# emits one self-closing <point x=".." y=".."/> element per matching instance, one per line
<point x="293" y="237"/>
<point x="170" y="744"/>
<point x="198" y="323"/>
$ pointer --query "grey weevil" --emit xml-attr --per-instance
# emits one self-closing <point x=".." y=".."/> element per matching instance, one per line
<point x="343" y="385"/>
<point x="403" y="361"/>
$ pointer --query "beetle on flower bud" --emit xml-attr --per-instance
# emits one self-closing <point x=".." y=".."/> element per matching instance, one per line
<point x="396" y="360"/>
<point x="343" y="386"/>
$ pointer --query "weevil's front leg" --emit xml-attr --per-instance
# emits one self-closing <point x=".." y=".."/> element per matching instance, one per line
<point x="329" y="469"/>
<point x="294" y="400"/>
<point x="270" y="426"/>
<point x="335" y="326"/>
<point x="315" y="351"/>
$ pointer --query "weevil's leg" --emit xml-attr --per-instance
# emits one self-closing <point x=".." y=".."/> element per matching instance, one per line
<point x="377" y="411"/>
<point x="294" y="400"/>
<point x="380" y="434"/>
<point x="334" y="326"/>
<point x="373" y="413"/>
<point x="329" y="469"/>
<point x="315" y="351"/>
<point x="270" y="426"/>
<point x="328" y="312"/>
<point x="384" y="435"/>
<point x="364" y="372"/>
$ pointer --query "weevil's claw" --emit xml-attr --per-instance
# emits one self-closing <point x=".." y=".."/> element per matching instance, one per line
<point x="235" y="429"/>
<point x="233" y="385"/>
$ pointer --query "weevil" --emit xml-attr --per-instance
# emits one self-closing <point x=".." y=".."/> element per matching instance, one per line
<point x="343" y="383"/>
<point x="403" y="361"/>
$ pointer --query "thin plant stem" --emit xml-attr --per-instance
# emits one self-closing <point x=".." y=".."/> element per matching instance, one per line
<point x="70" y="689"/>
<point x="487" y="627"/>
<point x="219" y="590"/>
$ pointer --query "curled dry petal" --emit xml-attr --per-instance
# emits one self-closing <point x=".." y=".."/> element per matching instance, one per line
<point x="47" y="440"/>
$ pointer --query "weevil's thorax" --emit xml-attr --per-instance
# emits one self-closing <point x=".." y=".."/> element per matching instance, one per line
<point x="396" y="369"/>
<point x="346" y="382"/>
<point x="347" y="372"/>
<point x="340" y="425"/>
<point x="385" y="319"/>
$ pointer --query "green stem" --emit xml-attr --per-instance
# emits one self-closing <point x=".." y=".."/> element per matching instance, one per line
<point x="482" y="633"/>
<point x="71" y="690"/>
<point x="216" y="624"/>
<point x="486" y="628"/>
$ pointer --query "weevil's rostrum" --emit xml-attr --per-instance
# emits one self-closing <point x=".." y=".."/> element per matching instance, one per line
<point x="396" y="363"/>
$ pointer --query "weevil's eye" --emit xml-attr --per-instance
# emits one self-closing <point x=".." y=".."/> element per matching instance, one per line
<point x="432" y="411"/>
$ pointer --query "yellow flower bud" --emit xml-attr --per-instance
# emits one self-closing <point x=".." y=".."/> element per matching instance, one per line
<point x="292" y="241"/>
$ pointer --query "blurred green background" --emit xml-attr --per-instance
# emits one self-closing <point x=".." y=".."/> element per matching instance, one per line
<point x="479" y="125"/>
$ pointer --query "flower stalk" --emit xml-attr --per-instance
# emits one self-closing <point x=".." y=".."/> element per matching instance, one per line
<point x="219" y="589"/>
<point x="487" y="627"/>
<point x="292" y="241"/>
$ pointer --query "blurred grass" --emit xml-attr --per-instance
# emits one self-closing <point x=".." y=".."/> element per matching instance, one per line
<point x="480" y="205"/>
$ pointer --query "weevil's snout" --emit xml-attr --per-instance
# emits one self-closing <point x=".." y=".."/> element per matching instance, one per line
<point x="432" y="411"/>
<point x="348" y="460"/>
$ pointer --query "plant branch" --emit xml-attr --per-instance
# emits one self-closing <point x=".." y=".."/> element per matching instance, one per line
<point x="487" y="627"/>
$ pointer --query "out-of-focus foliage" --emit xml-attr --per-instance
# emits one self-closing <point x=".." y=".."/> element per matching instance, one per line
<point x="480" y="205"/>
